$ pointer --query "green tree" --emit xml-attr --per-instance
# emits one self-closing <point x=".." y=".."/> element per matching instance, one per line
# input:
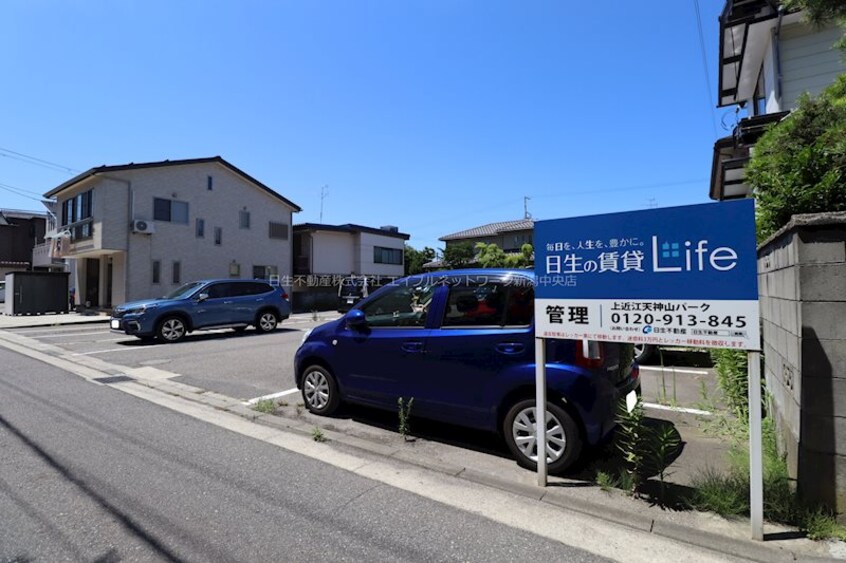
<point x="458" y="255"/>
<point x="799" y="165"/>
<point x="821" y="12"/>
<point x="414" y="259"/>
<point x="492" y="256"/>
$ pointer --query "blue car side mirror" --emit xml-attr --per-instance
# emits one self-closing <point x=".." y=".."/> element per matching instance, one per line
<point x="356" y="319"/>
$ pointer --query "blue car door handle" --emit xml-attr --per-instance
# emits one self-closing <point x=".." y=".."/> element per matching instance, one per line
<point x="413" y="346"/>
<point x="510" y="348"/>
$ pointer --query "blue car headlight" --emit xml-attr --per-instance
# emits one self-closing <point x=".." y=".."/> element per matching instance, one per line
<point x="141" y="310"/>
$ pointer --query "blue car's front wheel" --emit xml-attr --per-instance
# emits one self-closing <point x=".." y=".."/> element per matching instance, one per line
<point x="564" y="443"/>
<point x="320" y="390"/>
<point x="171" y="329"/>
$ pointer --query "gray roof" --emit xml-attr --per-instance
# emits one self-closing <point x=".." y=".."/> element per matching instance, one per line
<point x="133" y="166"/>
<point x="492" y="229"/>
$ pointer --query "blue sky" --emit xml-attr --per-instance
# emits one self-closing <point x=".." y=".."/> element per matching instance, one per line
<point x="435" y="116"/>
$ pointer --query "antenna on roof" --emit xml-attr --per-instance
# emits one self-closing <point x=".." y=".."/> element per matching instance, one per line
<point x="324" y="191"/>
<point x="526" y="214"/>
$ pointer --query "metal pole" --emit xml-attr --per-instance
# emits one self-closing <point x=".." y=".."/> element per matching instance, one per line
<point x="756" y="472"/>
<point x="540" y="408"/>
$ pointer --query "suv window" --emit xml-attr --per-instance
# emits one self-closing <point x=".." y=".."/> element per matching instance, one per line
<point x="400" y="305"/>
<point x="254" y="288"/>
<point x="219" y="290"/>
<point x="489" y="305"/>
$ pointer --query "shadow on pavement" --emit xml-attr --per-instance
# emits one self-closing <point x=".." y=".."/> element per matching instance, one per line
<point x="681" y="358"/>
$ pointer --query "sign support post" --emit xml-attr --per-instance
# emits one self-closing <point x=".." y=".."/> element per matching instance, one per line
<point x="540" y="408"/>
<point x="756" y="471"/>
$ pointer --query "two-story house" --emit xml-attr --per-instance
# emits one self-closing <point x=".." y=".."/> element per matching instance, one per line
<point x="325" y="254"/>
<point x="20" y="232"/>
<point x="768" y="58"/>
<point x="508" y="235"/>
<point x="140" y="230"/>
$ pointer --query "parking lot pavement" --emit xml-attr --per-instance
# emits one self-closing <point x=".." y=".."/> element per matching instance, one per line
<point x="253" y="365"/>
<point x="243" y="366"/>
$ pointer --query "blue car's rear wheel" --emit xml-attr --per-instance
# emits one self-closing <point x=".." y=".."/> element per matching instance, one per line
<point x="564" y="444"/>
<point x="267" y="321"/>
<point x="320" y="390"/>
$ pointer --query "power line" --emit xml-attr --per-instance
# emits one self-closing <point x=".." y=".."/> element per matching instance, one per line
<point x="511" y="201"/>
<point x="20" y="189"/>
<point x="710" y="98"/>
<point x="8" y="153"/>
<point x="20" y="194"/>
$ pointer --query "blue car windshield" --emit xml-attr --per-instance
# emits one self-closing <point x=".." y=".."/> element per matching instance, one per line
<point x="184" y="291"/>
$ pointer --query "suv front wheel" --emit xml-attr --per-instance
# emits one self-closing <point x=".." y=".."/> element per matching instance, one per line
<point x="171" y="329"/>
<point x="564" y="444"/>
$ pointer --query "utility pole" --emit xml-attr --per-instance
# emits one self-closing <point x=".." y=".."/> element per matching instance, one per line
<point x="526" y="214"/>
<point x="324" y="191"/>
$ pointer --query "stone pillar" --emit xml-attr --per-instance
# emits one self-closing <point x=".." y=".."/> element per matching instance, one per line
<point x="802" y="285"/>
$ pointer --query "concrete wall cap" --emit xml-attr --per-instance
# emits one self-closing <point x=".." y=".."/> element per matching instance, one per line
<point x="825" y="219"/>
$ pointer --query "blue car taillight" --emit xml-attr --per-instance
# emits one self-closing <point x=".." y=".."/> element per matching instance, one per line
<point x="593" y="357"/>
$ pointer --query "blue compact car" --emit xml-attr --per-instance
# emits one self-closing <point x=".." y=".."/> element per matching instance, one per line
<point x="461" y="343"/>
<point x="204" y="304"/>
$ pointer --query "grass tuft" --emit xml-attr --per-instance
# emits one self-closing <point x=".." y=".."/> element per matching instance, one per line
<point x="317" y="435"/>
<point x="267" y="406"/>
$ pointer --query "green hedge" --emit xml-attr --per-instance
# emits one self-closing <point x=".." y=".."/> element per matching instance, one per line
<point x="799" y="165"/>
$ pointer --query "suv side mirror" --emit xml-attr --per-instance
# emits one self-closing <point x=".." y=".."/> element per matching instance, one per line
<point x="356" y="319"/>
<point x="202" y="297"/>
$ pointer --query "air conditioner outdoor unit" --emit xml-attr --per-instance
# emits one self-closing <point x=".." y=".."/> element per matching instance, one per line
<point x="140" y="226"/>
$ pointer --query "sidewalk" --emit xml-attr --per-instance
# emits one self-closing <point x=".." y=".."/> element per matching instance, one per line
<point x="28" y="321"/>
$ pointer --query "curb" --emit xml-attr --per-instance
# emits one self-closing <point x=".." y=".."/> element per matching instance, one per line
<point x="722" y="544"/>
<point x="56" y="325"/>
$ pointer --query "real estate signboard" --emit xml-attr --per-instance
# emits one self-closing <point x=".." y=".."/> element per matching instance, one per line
<point x="683" y="276"/>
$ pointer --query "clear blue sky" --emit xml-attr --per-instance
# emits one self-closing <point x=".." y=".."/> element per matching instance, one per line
<point x="435" y="116"/>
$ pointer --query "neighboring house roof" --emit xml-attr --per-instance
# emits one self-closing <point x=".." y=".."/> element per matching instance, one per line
<point x="132" y="166"/>
<point x="6" y="214"/>
<point x="492" y="229"/>
<point x="350" y="228"/>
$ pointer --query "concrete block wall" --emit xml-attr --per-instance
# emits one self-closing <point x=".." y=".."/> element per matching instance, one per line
<point x="802" y="285"/>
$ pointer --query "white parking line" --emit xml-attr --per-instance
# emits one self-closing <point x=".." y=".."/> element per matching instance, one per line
<point x="271" y="396"/>
<point x="672" y="369"/>
<point x="676" y="409"/>
<point x="90" y="341"/>
<point x="124" y="349"/>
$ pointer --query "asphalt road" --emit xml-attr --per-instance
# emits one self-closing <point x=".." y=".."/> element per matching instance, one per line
<point x="243" y="366"/>
<point x="91" y="474"/>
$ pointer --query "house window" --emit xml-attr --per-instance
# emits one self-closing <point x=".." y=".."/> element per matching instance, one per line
<point x="157" y="271"/>
<point x="209" y="183"/>
<point x="244" y="219"/>
<point x="77" y="212"/>
<point x="382" y="255"/>
<point x="170" y="210"/>
<point x="177" y="272"/>
<point x="278" y="231"/>
<point x="201" y="228"/>
<point x="218" y="236"/>
<point x="760" y="96"/>
<point x="264" y="272"/>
